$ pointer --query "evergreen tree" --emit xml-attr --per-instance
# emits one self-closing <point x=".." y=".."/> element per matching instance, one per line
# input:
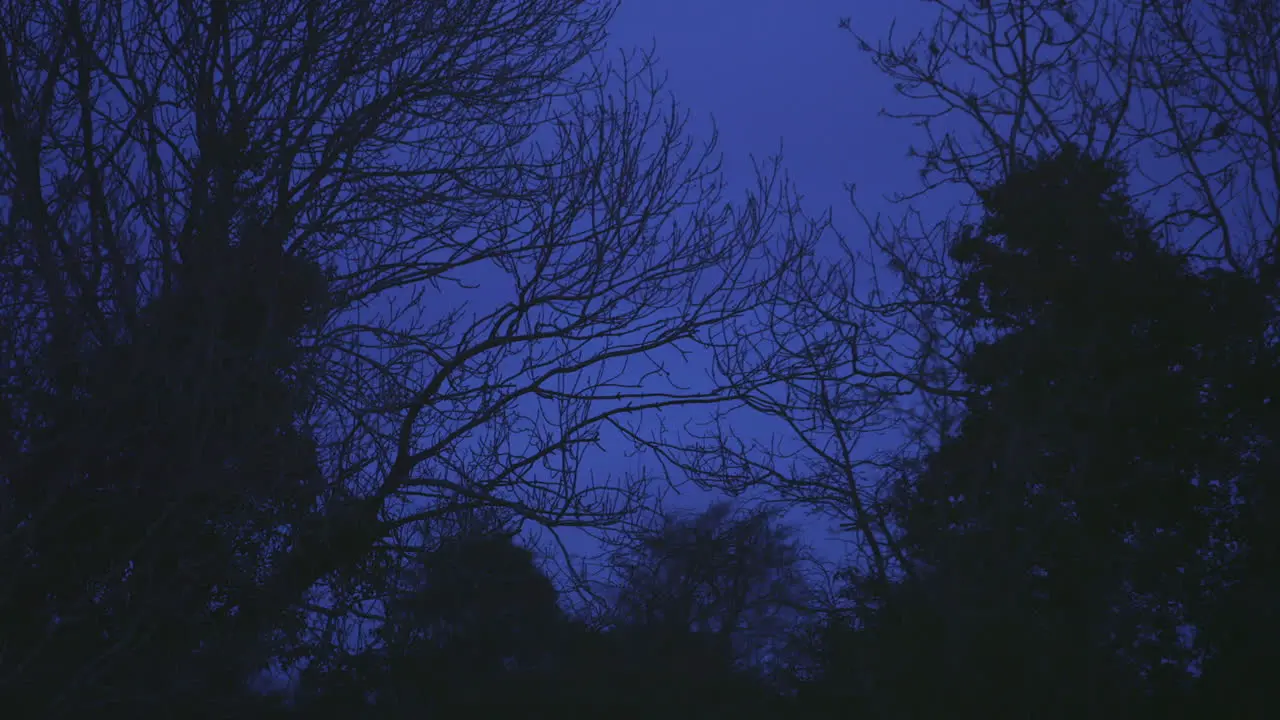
<point x="1059" y="540"/>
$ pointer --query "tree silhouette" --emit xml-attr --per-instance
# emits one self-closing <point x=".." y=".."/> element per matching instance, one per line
<point x="1180" y="90"/>
<point x="1059" y="539"/>
<point x="308" y="311"/>
<point x="699" y="601"/>
<point x="481" y="610"/>
<point x="150" y="495"/>
<point x="279" y="283"/>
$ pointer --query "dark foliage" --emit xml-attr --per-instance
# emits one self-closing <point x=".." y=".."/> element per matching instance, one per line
<point x="146" y="486"/>
<point x="1097" y="536"/>
<point x="1100" y="501"/>
<point x="1094" y="539"/>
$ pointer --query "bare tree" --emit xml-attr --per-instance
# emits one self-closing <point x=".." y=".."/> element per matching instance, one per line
<point x="1186" y="92"/>
<point x="849" y="362"/>
<point x="520" y="239"/>
<point x="863" y="347"/>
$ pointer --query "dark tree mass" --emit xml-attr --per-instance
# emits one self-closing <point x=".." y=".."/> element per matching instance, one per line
<point x="323" y="324"/>
<point x="1091" y="505"/>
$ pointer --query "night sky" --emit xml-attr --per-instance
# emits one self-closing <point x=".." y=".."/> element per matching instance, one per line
<point x="772" y="71"/>
<point x="778" y="74"/>
<point x="788" y="78"/>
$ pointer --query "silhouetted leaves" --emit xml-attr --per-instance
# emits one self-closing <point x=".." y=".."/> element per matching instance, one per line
<point x="149" y="502"/>
<point x="1072" y="529"/>
<point x="227" y="406"/>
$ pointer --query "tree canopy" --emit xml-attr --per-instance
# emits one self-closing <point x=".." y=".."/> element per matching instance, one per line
<point x="318" y="321"/>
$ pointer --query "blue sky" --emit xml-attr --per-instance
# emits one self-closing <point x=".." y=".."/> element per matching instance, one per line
<point x="782" y="74"/>
<point x="780" y="71"/>
<point x="773" y="74"/>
